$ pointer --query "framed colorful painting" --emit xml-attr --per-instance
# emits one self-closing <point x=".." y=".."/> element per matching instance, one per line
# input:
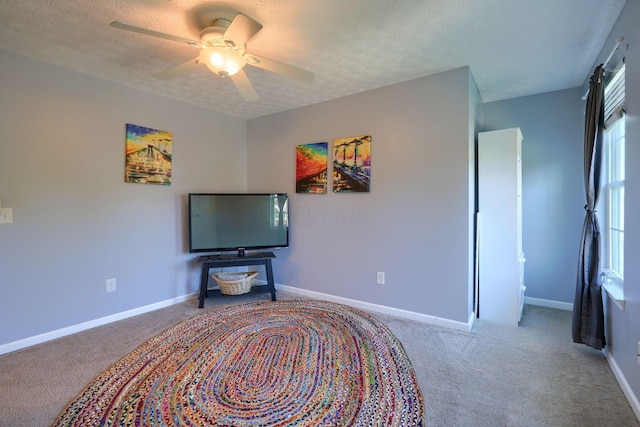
<point x="148" y="155"/>
<point x="311" y="168"/>
<point x="352" y="164"/>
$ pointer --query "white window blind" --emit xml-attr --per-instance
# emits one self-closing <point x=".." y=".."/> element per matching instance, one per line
<point x="614" y="99"/>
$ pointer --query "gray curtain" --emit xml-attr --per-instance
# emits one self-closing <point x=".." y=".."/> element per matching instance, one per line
<point x="588" y="313"/>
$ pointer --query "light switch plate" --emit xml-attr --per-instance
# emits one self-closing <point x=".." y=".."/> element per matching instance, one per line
<point x="6" y="216"/>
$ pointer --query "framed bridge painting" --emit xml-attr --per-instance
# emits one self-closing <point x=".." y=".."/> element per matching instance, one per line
<point x="311" y="168"/>
<point x="148" y="155"/>
<point x="352" y="164"/>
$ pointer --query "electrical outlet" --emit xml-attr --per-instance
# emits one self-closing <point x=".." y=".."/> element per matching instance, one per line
<point x="380" y="277"/>
<point x="111" y="285"/>
<point x="6" y="216"/>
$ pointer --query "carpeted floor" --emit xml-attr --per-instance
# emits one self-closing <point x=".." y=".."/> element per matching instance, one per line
<point x="496" y="375"/>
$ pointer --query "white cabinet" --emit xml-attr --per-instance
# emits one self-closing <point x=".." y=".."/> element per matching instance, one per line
<point x="500" y="257"/>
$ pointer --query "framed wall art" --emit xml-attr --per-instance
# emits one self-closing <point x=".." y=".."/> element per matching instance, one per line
<point x="352" y="164"/>
<point x="311" y="168"/>
<point x="148" y="155"/>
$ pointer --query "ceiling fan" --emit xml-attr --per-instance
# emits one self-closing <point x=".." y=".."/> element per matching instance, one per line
<point x="223" y="50"/>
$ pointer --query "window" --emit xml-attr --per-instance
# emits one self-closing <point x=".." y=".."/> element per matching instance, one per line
<point x="612" y="194"/>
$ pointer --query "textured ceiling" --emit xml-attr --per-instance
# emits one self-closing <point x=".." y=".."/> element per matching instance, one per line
<point x="513" y="47"/>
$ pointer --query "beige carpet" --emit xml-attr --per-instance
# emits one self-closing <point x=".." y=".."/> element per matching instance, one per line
<point x="495" y="375"/>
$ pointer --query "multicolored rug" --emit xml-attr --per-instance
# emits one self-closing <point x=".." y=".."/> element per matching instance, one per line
<point x="284" y="363"/>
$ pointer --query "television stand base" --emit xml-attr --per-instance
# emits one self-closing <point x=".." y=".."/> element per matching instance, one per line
<point x="219" y="261"/>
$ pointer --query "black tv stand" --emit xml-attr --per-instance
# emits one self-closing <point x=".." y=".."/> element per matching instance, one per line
<point x="219" y="261"/>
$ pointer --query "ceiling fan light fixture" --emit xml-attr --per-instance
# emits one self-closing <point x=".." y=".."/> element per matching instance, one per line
<point x="224" y="51"/>
<point x="222" y="61"/>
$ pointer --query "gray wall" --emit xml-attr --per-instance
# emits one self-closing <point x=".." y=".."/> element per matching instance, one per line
<point x="552" y="186"/>
<point x="76" y="223"/>
<point x="413" y="225"/>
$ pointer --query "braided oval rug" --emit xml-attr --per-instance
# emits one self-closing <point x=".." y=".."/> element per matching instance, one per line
<point x="284" y="363"/>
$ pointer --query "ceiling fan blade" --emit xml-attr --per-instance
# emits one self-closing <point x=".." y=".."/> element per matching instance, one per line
<point x="153" y="33"/>
<point x="241" y="29"/>
<point x="244" y="86"/>
<point x="280" y="68"/>
<point x="178" y="69"/>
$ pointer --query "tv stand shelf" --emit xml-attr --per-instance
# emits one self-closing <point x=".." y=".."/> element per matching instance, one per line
<point x="218" y="261"/>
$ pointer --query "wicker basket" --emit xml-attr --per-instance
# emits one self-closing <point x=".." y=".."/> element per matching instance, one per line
<point x="235" y="283"/>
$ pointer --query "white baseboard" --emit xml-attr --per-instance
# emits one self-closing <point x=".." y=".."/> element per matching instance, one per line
<point x="549" y="303"/>
<point x="376" y="308"/>
<point x="48" y="336"/>
<point x="622" y="381"/>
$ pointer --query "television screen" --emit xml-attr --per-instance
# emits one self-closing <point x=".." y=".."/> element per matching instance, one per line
<point x="230" y="222"/>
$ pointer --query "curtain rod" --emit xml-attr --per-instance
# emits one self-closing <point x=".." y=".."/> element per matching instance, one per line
<point x="619" y="40"/>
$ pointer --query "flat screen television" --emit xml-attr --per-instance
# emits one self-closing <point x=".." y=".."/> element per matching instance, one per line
<point x="237" y="222"/>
